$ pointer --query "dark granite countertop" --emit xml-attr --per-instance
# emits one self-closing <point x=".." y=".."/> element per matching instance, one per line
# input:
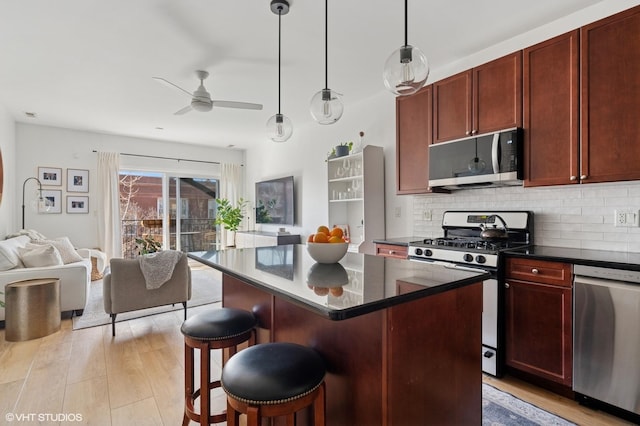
<point x="607" y="259"/>
<point x="400" y="241"/>
<point x="358" y="284"/>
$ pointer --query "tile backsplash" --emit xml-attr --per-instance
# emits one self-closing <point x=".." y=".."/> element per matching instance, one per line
<point x="576" y="216"/>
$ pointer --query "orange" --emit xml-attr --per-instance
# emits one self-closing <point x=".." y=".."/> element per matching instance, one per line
<point x="337" y="232"/>
<point x="325" y="230"/>
<point x="310" y="239"/>
<point x="320" y="237"/>
<point x="335" y="239"/>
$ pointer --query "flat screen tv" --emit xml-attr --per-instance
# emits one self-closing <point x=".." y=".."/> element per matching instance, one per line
<point x="275" y="201"/>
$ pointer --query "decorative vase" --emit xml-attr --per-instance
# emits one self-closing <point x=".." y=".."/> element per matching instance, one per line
<point x="342" y="150"/>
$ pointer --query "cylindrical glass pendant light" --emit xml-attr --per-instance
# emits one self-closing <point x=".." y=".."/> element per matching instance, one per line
<point x="407" y="69"/>
<point x="326" y="106"/>
<point x="279" y="126"/>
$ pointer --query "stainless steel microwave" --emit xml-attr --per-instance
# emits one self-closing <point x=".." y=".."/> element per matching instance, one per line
<point x="491" y="159"/>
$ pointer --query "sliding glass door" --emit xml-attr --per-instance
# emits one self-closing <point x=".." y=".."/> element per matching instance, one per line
<point x="162" y="211"/>
<point x="192" y="213"/>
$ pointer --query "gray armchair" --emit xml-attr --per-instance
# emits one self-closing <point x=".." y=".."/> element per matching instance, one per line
<point x="125" y="289"/>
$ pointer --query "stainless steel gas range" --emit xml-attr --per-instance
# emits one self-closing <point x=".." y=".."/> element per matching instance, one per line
<point x="477" y="240"/>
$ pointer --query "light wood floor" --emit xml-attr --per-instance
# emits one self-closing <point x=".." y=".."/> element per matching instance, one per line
<point x="137" y="377"/>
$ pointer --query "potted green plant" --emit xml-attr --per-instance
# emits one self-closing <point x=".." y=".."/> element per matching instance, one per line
<point x="229" y="216"/>
<point x="343" y="149"/>
<point x="148" y="245"/>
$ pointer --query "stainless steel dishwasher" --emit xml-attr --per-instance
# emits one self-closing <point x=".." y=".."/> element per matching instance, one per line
<point x="606" y="337"/>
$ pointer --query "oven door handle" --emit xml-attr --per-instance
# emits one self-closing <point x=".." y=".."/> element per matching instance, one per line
<point x="449" y="265"/>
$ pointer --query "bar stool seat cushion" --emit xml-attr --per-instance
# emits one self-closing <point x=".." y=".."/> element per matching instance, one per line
<point x="272" y="373"/>
<point x="218" y="324"/>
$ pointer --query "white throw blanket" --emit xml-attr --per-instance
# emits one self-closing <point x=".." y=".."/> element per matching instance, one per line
<point x="157" y="268"/>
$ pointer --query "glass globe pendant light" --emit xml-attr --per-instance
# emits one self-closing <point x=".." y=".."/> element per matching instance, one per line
<point x="326" y="107"/>
<point x="279" y="126"/>
<point x="407" y="69"/>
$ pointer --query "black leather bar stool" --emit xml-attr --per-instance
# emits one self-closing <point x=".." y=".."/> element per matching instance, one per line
<point x="274" y="379"/>
<point x="218" y="328"/>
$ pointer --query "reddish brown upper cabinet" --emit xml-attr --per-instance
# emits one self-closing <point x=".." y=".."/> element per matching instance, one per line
<point x="484" y="99"/>
<point x="413" y="127"/>
<point x="551" y="111"/>
<point x="581" y="103"/>
<point x="610" y="98"/>
<point x="538" y="315"/>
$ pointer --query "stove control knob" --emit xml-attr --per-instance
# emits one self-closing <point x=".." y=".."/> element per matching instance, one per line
<point x="468" y="257"/>
<point x="428" y="252"/>
<point x="481" y="259"/>
<point x="418" y="252"/>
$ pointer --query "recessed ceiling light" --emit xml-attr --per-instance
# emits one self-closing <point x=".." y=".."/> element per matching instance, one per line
<point x="30" y="114"/>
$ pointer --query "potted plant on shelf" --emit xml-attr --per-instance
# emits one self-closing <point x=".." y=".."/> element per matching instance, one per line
<point x="148" y="245"/>
<point x="340" y="150"/>
<point x="230" y="217"/>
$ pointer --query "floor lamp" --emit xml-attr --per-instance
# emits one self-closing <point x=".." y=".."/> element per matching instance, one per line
<point x="40" y="199"/>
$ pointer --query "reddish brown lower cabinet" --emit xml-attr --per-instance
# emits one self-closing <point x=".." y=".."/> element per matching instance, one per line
<point x="538" y="318"/>
<point x="392" y="250"/>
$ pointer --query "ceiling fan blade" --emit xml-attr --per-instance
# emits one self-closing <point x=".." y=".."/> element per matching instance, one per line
<point x="170" y="84"/>
<point x="183" y="110"/>
<point x="239" y="105"/>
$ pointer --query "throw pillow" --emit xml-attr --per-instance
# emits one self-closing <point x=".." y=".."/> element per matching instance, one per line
<point x="9" y="257"/>
<point x="64" y="246"/>
<point x="34" y="256"/>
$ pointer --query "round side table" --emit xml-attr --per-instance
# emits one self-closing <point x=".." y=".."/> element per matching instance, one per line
<point x="32" y="309"/>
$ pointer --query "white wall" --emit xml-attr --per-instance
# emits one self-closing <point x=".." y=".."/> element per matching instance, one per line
<point x="7" y="148"/>
<point x="42" y="146"/>
<point x="556" y="207"/>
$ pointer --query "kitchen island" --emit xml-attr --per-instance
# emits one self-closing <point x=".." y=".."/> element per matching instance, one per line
<point x="401" y="339"/>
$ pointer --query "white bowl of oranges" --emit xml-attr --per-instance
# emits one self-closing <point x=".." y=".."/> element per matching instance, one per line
<point x="327" y="245"/>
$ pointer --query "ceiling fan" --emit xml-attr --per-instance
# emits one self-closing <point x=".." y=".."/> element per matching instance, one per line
<point x="201" y="99"/>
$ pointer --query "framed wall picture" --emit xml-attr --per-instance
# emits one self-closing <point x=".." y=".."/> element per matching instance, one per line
<point x="50" y="176"/>
<point x="77" y="180"/>
<point x="77" y="204"/>
<point x="53" y="201"/>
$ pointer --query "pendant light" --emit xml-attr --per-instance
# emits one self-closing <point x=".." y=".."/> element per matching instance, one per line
<point x="326" y="107"/>
<point x="279" y="126"/>
<point x="407" y="69"/>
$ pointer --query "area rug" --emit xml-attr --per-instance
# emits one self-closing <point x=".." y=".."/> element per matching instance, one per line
<point x="206" y="287"/>
<point x="501" y="408"/>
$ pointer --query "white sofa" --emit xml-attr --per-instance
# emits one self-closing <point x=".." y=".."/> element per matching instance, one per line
<point x="75" y="277"/>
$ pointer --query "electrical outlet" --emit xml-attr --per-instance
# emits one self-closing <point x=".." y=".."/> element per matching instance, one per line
<point x="398" y="212"/>
<point x="426" y="215"/>
<point x="626" y="218"/>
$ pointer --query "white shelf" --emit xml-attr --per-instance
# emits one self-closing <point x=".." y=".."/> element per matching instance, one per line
<point x="362" y="174"/>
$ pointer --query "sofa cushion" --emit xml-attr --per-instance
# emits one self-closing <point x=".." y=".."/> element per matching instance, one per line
<point x="9" y="257"/>
<point x="39" y="255"/>
<point x="64" y="246"/>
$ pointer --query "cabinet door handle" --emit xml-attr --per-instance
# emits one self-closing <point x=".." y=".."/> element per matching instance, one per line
<point x="534" y="271"/>
<point x="583" y="177"/>
<point x="392" y="252"/>
<point x="573" y="177"/>
<point x="506" y="285"/>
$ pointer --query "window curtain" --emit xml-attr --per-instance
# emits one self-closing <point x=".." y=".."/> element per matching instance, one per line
<point x="109" y="230"/>
<point x="231" y="189"/>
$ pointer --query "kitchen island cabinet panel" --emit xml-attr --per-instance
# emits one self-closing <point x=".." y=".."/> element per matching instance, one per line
<point x="426" y="348"/>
